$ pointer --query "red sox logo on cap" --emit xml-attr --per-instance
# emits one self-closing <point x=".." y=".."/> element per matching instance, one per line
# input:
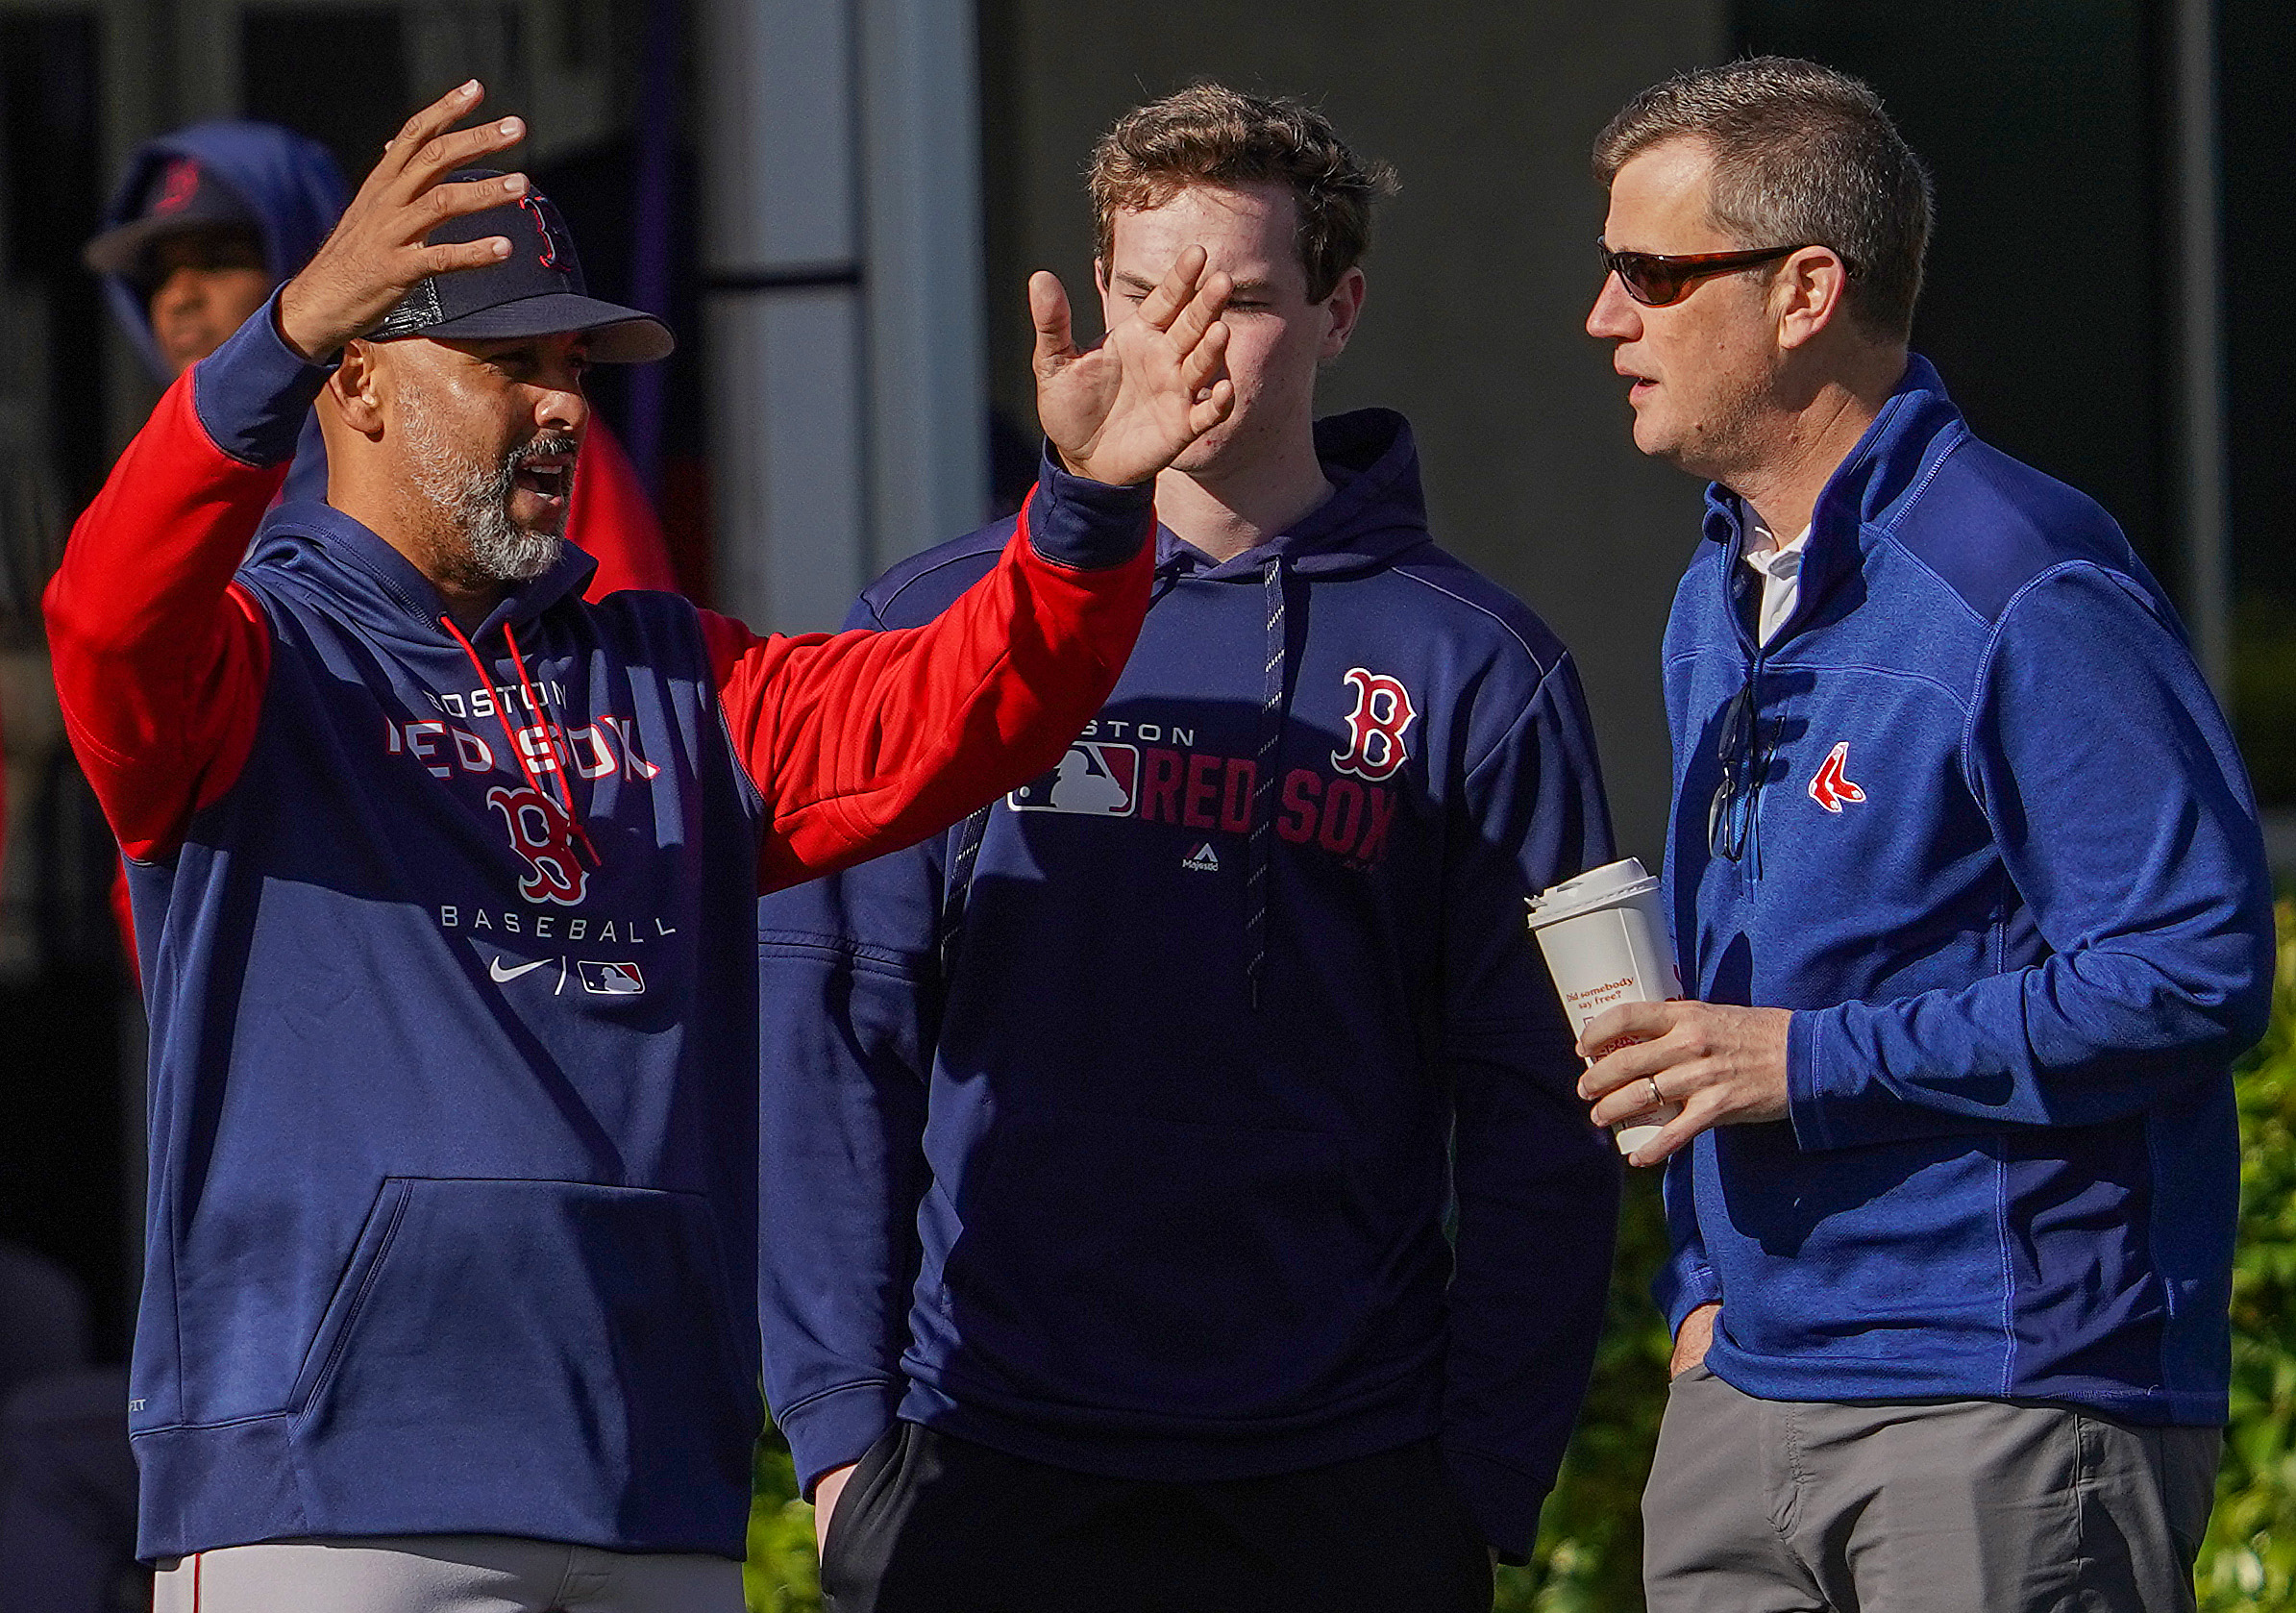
<point x="531" y="206"/>
<point x="179" y="183"/>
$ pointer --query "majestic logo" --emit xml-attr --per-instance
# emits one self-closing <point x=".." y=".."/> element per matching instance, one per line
<point x="1832" y="786"/>
<point x="543" y="834"/>
<point x="612" y="980"/>
<point x="1383" y="715"/>
<point x="1097" y="780"/>
<point x="1203" y="859"/>
<point x="532" y="205"/>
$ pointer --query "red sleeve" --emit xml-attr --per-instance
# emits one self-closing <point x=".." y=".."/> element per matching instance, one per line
<point x="123" y="919"/>
<point x="865" y="742"/>
<point x="161" y="659"/>
<point x="613" y="519"/>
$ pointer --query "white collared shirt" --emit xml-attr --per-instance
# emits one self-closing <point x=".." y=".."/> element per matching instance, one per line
<point x="1779" y="565"/>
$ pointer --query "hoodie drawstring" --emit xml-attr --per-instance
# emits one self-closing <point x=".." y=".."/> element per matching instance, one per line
<point x="1263" y="782"/>
<point x="550" y="732"/>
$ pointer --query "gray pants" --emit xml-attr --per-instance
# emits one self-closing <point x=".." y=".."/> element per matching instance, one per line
<point x="1959" y="1506"/>
<point x="443" y="1574"/>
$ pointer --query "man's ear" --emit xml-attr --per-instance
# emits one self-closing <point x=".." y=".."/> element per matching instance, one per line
<point x="1100" y="277"/>
<point x="1812" y="288"/>
<point x="356" y="388"/>
<point x="1344" y="305"/>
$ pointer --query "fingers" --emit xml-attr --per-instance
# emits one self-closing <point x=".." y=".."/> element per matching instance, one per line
<point x="1626" y="1063"/>
<point x="1197" y="320"/>
<point x="462" y="148"/>
<point x="1674" y="1136"/>
<point x="449" y="255"/>
<point x="469" y="196"/>
<point x="1204" y="415"/>
<point x="1639" y="1021"/>
<point x="431" y="121"/>
<point x="1201" y="365"/>
<point x="1163" y="304"/>
<point x="1049" y="313"/>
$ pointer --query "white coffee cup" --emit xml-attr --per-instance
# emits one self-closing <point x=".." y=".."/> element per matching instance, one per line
<point x="1605" y="940"/>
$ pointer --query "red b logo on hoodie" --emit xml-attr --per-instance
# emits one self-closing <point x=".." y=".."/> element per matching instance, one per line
<point x="1383" y="714"/>
<point x="542" y="833"/>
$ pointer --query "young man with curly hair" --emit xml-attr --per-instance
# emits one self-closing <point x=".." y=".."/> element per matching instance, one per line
<point x="1175" y="1194"/>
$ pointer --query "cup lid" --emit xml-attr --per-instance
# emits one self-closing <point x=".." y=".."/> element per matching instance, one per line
<point x="1609" y="885"/>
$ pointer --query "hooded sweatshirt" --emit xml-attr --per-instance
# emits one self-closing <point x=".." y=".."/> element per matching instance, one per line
<point x="2002" y="862"/>
<point x="295" y="190"/>
<point x="1118" y="1129"/>
<point x="447" y="941"/>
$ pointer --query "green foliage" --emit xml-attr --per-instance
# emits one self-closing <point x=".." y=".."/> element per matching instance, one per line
<point x="783" y="1575"/>
<point x="2249" y="1561"/>
<point x="1589" y="1557"/>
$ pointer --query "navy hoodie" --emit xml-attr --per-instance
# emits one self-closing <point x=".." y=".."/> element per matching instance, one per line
<point x="447" y="944"/>
<point x="2005" y="867"/>
<point x="295" y="190"/>
<point x="1118" y="1129"/>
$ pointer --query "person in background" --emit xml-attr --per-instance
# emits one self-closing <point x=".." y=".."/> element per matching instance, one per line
<point x="1968" y="882"/>
<point x="206" y="222"/>
<point x="1112" y="1140"/>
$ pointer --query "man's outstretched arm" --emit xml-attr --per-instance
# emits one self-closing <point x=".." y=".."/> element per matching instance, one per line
<point x="862" y="743"/>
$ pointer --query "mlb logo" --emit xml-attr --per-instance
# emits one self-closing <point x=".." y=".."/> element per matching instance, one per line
<point x="612" y="980"/>
<point x="1095" y="779"/>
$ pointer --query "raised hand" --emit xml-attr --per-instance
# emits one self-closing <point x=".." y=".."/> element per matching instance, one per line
<point x="1128" y="407"/>
<point x="376" y="253"/>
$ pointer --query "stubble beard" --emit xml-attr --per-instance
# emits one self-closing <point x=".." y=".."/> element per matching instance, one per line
<point x="468" y="504"/>
<point x="1727" y="439"/>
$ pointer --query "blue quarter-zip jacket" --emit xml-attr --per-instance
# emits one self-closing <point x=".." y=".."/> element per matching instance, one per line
<point x="1040" y="1173"/>
<point x="2004" y="865"/>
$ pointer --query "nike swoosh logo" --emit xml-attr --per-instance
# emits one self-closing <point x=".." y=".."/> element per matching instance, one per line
<point x="500" y="973"/>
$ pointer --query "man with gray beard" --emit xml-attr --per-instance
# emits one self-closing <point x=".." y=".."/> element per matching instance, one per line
<point x="448" y="485"/>
<point x="445" y="885"/>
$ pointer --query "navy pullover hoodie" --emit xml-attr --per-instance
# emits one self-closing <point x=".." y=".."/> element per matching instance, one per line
<point x="447" y="944"/>
<point x="2004" y="865"/>
<point x="1119" y="1128"/>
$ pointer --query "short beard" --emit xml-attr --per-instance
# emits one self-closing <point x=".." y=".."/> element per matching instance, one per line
<point x="480" y="545"/>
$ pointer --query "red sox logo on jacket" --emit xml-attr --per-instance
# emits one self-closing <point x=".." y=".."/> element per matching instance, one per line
<point x="543" y="834"/>
<point x="1383" y="714"/>
<point x="1832" y="786"/>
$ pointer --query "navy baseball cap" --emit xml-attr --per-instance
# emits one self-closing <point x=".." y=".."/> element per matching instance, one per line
<point x="536" y="291"/>
<point x="183" y="194"/>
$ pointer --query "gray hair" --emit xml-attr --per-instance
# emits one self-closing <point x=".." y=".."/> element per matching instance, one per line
<point x="1803" y="156"/>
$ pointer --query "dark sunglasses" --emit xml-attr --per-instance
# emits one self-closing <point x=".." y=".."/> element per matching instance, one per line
<point x="1656" y="281"/>
<point x="1738" y="748"/>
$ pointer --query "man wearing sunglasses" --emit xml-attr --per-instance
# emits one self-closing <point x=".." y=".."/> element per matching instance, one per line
<point x="1967" y="878"/>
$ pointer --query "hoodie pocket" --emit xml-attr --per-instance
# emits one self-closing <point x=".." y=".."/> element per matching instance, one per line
<point x="1187" y="1271"/>
<point x="486" y="1330"/>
